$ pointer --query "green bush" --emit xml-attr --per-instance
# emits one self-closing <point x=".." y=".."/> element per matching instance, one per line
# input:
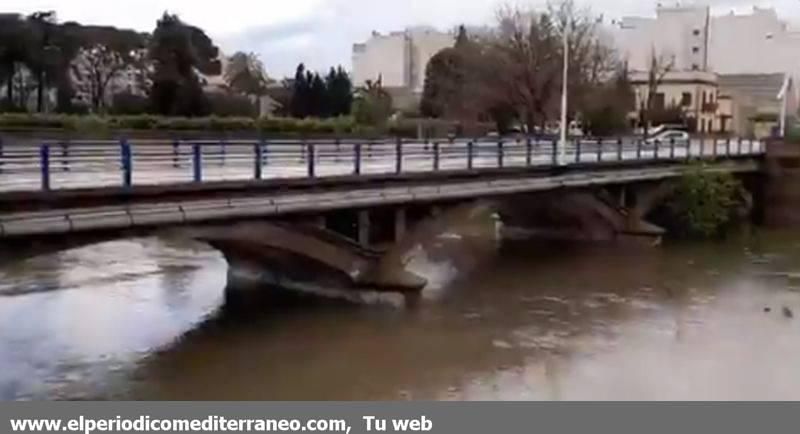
<point x="136" y="122"/>
<point x="129" y="104"/>
<point x="704" y="202"/>
<point x="231" y="105"/>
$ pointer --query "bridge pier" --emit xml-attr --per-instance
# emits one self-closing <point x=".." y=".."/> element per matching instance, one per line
<point x="781" y="201"/>
<point x="399" y="223"/>
<point x="363" y="227"/>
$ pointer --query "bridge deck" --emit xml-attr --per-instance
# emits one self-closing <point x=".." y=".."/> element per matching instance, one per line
<point x="243" y="205"/>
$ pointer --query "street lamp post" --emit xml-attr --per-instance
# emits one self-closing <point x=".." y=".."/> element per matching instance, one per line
<point x="563" y="141"/>
<point x="783" y="96"/>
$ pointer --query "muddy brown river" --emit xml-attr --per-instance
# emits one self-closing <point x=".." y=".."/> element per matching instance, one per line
<point x="500" y="320"/>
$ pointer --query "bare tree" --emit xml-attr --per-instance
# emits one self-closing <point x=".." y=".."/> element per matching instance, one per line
<point x="525" y="55"/>
<point x="96" y="68"/>
<point x="660" y="66"/>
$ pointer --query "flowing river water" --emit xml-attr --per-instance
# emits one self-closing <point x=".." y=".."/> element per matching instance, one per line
<point x="501" y="319"/>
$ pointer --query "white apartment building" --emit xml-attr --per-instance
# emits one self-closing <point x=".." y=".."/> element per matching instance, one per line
<point x="755" y="43"/>
<point x="677" y="35"/>
<point x="399" y="59"/>
<point x="753" y="56"/>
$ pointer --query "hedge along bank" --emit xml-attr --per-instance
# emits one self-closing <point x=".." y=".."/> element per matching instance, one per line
<point x="58" y="125"/>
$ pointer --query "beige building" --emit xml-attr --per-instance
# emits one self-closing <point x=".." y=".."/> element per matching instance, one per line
<point x="748" y="105"/>
<point x="399" y="59"/>
<point x="695" y="92"/>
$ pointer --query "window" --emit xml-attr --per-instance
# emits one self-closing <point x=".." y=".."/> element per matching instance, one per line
<point x="658" y="100"/>
<point x="696" y="32"/>
<point x="695" y="50"/>
<point x="686" y="99"/>
<point x="695" y="67"/>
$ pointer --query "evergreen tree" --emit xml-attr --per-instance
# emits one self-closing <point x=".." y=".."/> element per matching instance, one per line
<point x="299" y="104"/>
<point x="462" y="39"/>
<point x="318" y="99"/>
<point x="178" y="50"/>
<point x="344" y="92"/>
<point x="339" y="92"/>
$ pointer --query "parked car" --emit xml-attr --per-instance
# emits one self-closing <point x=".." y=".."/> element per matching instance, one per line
<point x="668" y="136"/>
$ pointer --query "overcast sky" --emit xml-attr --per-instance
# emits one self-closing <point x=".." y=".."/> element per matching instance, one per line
<point x="321" y="32"/>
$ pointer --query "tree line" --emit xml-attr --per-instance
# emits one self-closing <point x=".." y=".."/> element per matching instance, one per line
<point x="510" y="74"/>
<point x="37" y="54"/>
<point x="165" y="72"/>
<point x="311" y="95"/>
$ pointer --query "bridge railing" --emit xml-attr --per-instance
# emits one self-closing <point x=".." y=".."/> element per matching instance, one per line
<point x="128" y="163"/>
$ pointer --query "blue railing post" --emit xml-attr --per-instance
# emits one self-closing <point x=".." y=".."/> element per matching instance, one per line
<point x="656" y="145"/>
<point x="577" y="150"/>
<point x="65" y="156"/>
<point x="312" y="170"/>
<point x="554" y="160"/>
<point x="265" y="152"/>
<point x="223" y="152"/>
<point x="500" y="153"/>
<point x="528" y="151"/>
<point x="338" y="144"/>
<point x="714" y="147"/>
<point x="638" y="149"/>
<point x="197" y="162"/>
<point x="127" y="163"/>
<point x="672" y="149"/>
<point x="739" y="146"/>
<point x="357" y="159"/>
<point x="1" y="155"/>
<point x="470" y="152"/>
<point x="176" y="153"/>
<point x="728" y="147"/>
<point x="259" y="156"/>
<point x="435" y="156"/>
<point x="398" y="155"/>
<point x="44" y="165"/>
<point x="619" y="149"/>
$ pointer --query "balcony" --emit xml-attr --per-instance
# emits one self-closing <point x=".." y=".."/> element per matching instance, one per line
<point x="709" y="107"/>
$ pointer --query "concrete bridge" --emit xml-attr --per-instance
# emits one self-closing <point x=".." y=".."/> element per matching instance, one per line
<point x="328" y="213"/>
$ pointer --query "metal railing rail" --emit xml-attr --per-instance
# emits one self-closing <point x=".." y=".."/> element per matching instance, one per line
<point x="127" y="163"/>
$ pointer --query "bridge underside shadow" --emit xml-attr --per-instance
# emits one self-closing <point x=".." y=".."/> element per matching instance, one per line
<point x="599" y="215"/>
<point x="304" y="258"/>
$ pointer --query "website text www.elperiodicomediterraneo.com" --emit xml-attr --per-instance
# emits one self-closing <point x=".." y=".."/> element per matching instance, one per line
<point x="214" y="424"/>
